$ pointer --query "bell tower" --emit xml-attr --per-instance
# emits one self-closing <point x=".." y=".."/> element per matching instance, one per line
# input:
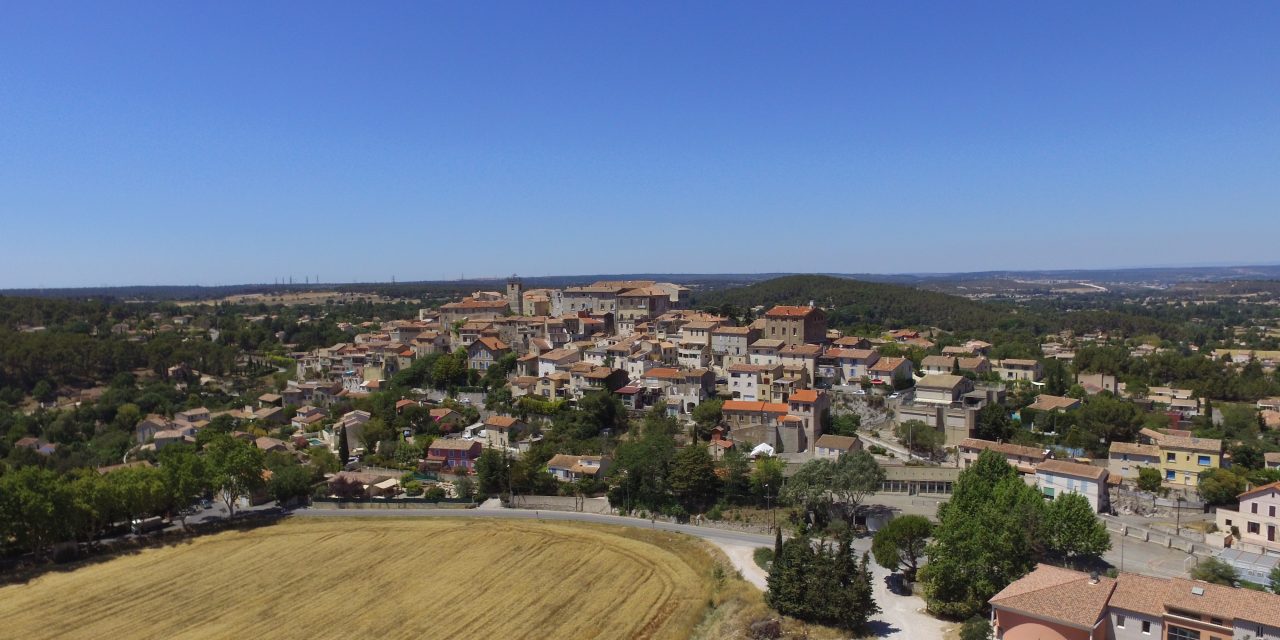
<point x="515" y="295"/>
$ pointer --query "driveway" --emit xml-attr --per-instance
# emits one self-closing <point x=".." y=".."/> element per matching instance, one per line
<point x="900" y="616"/>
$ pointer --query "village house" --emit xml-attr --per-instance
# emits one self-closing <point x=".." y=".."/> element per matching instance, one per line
<point x="1057" y="477"/>
<point x="1254" y="526"/>
<point x="1024" y="459"/>
<point x="501" y="431"/>
<point x="854" y="363"/>
<point x="1125" y="459"/>
<point x="570" y="468"/>
<point x="752" y="381"/>
<point x="1019" y="369"/>
<point x="796" y="325"/>
<point x="485" y="352"/>
<point x="1045" y="402"/>
<point x="729" y="345"/>
<point x="1053" y="603"/>
<point x="453" y="454"/>
<point x="938" y="364"/>
<point x="831" y="447"/>
<point x="942" y="389"/>
<point x="765" y="351"/>
<point x="890" y="371"/>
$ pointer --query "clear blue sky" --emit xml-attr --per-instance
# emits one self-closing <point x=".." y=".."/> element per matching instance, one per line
<point x="229" y="142"/>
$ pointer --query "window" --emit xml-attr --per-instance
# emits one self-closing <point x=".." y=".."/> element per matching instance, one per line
<point x="1253" y="527"/>
<point x="1146" y="627"/>
<point x="1170" y="457"/>
<point x="1119" y="621"/>
<point x="1203" y="461"/>
<point x="1170" y="475"/>
<point x="1254" y="507"/>
<point x="1179" y="633"/>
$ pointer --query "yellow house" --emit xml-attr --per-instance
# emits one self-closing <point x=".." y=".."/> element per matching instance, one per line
<point x="1183" y="458"/>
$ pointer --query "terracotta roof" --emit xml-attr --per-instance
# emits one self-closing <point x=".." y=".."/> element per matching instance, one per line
<point x="664" y="373"/>
<point x="732" y="331"/>
<point x="887" y="365"/>
<point x="1274" y="486"/>
<point x="1058" y="594"/>
<point x="1134" y="449"/>
<point x="453" y="444"/>
<point x="802" y="350"/>
<point x="1064" y="468"/>
<point x="745" y="405"/>
<point x="828" y="441"/>
<point x="502" y="422"/>
<point x="805" y="395"/>
<point x="767" y="343"/>
<point x="938" y="361"/>
<point x="1045" y="402"/>
<point x="854" y="354"/>
<point x="940" y="381"/>
<point x="1206" y="445"/>
<point x="492" y="344"/>
<point x="1004" y="448"/>
<point x="789" y="312"/>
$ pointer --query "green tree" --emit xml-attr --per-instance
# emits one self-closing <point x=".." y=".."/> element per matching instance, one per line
<point x="186" y="474"/>
<point x="920" y="438"/>
<point x="1149" y="479"/>
<point x="1073" y="531"/>
<point x="706" y="416"/>
<point x="493" y="471"/>
<point x="993" y="423"/>
<point x="988" y="536"/>
<point x="766" y="480"/>
<point x="693" y="478"/>
<point x="638" y="477"/>
<point x="1220" y="486"/>
<point x="846" y="424"/>
<point x="290" y="482"/>
<point x="1273" y="579"/>
<point x="900" y="544"/>
<point x="235" y="468"/>
<point x="822" y="484"/>
<point x="737" y="476"/>
<point x="976" y="628"/>
<point x="1216" y="571"/>
<point x="344" y="449"/>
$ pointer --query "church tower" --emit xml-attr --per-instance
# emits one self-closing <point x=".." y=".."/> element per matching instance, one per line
<point x="515" y="295"/>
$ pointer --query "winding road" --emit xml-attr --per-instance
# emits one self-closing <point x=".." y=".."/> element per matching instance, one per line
<point x="900" y="616"/>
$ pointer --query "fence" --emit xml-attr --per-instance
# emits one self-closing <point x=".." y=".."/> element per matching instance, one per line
<point x="563" y="503"/>
<point x="396" y="503"/>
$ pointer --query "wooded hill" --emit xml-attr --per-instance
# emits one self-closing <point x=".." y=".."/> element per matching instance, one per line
<point x="856" y="303"/>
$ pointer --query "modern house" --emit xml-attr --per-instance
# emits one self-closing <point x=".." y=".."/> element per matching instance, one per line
<point x="454" y="453"/>
<point x="1255" y="526"/>
<point x="1024" y="459"/>
<point x="568" y="468"/>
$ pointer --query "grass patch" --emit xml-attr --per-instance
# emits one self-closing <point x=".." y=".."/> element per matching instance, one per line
<point x="763" y="556"/>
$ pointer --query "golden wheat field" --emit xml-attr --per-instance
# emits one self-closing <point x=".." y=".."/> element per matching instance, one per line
<point x="380" y="578"/>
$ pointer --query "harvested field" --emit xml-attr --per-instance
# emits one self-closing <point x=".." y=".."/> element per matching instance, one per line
<point x="357" y="578"/>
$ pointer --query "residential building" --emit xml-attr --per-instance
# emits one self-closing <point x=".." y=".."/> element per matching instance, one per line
<point x="485" y="352"/>
<point x="938" y="364"/>
<point x="472" y="309"/>
<point x="1057" y="477"/>
<point x="1024" y="459"/>
<point x="942" y="389"/>
<point x="569" y="468"/>
<point x="1182" y="458"/>
<point x="831" y="447"/>
<point x="1045" y="402"/>
<point x="500" y="431"/>
<point x="1052" y="603"/>
<point x="765" y="351"/>
<point x="729" y="345"/>
<point x="854" y="364"/>
<point x="1255" y="525"/>
<point x="796" y="325"/>
<point x="1019" y="369"/>
<point x="1125" y="459"/>
<point x="890" y="371"/>
<point x="452" y="454"/>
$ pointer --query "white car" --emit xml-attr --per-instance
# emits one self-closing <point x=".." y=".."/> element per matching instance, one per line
<point x="859" y="392"/>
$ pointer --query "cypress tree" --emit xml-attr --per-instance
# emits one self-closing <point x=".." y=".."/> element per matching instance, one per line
<point x="344" y="453"/>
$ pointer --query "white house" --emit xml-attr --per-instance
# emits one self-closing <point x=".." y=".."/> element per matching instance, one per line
<point x="1056" y="477"/>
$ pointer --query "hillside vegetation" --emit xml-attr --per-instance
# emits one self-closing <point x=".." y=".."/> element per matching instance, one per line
<point x="854" y="303"/>
<point x="410" y="578"/>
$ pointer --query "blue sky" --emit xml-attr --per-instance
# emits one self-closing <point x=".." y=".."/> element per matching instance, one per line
<point x="228" y="142"/>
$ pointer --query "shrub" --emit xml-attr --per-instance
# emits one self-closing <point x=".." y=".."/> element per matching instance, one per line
<point x="412" y="487"/>
<point x="715" y="513"/>
<point x="763" y="556"/>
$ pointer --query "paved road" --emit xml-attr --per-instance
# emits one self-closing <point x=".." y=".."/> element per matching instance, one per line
<point x="901" y="616"/>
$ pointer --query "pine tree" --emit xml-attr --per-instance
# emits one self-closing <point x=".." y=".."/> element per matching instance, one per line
<point x="777" y="543"/>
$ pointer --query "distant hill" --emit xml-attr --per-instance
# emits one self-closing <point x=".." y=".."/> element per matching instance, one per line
<point x="855" y="302"/>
